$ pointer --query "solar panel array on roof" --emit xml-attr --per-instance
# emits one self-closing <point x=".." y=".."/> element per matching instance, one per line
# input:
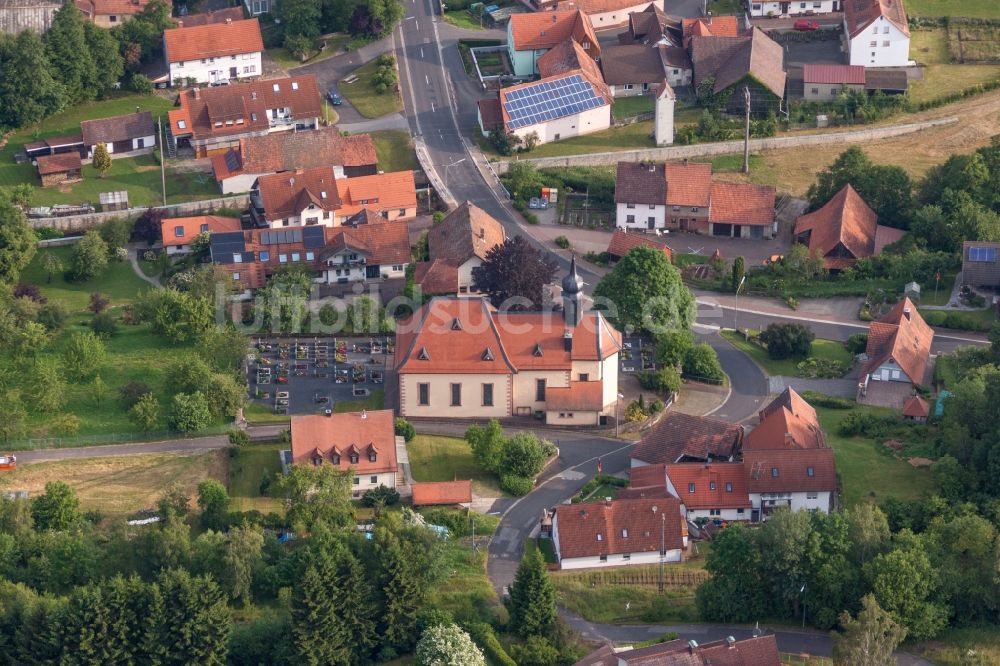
<point x="983" y="254"/>
<point x="233" y="160"/>
<point x="548" y="100"/>
<point x="281" y="237"/>
<point x="224" y="246"/>
<point x="313" y="236"/>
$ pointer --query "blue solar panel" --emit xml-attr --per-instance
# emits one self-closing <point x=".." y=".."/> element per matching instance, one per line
<point x="313" y="237"/>
<point x="548" y="100"/>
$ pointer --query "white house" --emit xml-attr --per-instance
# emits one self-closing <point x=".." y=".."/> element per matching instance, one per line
<point x="795" y="479"/>
<point x="792" y="7"/>
<point x="379" y="251"/>
<point x="123" y="136"/>
<point x="877" y="33"/>
<point x="213" y="52"/>
<point x="178" y="233"/>
<point x="619" y="533"/>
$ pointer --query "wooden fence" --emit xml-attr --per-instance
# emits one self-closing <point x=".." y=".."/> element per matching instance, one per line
<point x="673" y="578"/>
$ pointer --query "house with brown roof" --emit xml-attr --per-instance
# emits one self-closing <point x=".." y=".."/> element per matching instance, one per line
<point x="211" y="16"/>
<point x="442" y="493"/>
<point x="605" y="14"/>
<point x="980" y="264"/>
<point x="637" y="69"/>
<point x="177" y="233"/>
<point x="530" y="36"/>
<point x="877" y="33"/>
<point x="256" y="156"/>
<point x="462" y="358"/>
<point x="109" y="13"/>
<point x="799" y="479"/>
<point x="732" y="63"/>
<point x="213" y="120"/>
<point x="456" y="246"/>
<point x="651" y="26"/>
<point x="844" y="230"/>
<point x="368" y="252"/>
<point x="825" y="82"/>
<point x="757" y="651"/>
<point x="898" y="353"/>
<point x="683" y="196"/>
<point x="363" y="443"/>
<point x="619" y="533"/>
<point x="123" y="136"/>
<point x="622" y="241"/>
<point x="58" y="168"/>
<point x="682" y="437"/>
<point x="213" y="52"/>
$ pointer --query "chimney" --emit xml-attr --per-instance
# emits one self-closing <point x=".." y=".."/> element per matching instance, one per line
<point x="196" y="92"/>
<point x="364" y="414"/>
<point x="692" y="646"/>
<point x="685" y="161"/>
<point x="568" y="340"/>
<point x="730" y="641"/>
<point x="907" y="313"/>
<point x="607" y="501"/>
<point x="229" y="21"/>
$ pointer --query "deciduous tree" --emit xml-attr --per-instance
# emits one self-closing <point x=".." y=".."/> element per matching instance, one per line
<point x="145" y="413"/>
<point x="29" y="88"/>
<point x="316" y="494"/>
<point x="90" y="256"/>
<point x="734" y="592"/>
<point x="787" y="340"/>
<point x="83" y="354"/>
<point x="647" y="293"/>
<point x="514" y="271"/>
<point x="17" y="242"/>
<point x="447" y="645"/>
<point x="58" y="508"/>
<point x="868" y="640"/>
<point x="189" y="412"/>
<point x="886" y="189"/>
<point x="51" y="264"/>
<point x="70" y="56"/>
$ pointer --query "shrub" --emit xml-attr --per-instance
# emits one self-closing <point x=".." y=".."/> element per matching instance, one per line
<point x="832" y="402"/>
<point x="104" y="325"/>
<point x="634" y="412"/>
<point x="486" y="638"/>
<point x="656" y="406"/>
<point x="857" y="343"/>
<point x="562" y="241"/>
<point x="702" y="363"/>
<point x="132" y="393"/>
<point x="404" y="429"/>
<point x="516" y="485"/>
<point x="787" y="340"/>
<point x="239" y="437"/>
<point x="53" y="315"/>
<point x="30" y="292"/>
<point x="460" y="522"/>
<point x="383" y="495"/>
<point x="866" y="424"/>
<point x="98" y="303"/>
<point x="821" y="368"/>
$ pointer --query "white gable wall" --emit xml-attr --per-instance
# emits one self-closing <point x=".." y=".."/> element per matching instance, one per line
<point x="891" y="47"/>
<point x="585" y="122"/>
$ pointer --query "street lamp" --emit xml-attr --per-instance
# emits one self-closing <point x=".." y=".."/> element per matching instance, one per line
<point x="736" y="310"/>
<point x="448" y="166"/>
<point x="618" y="412"/>
<point x="802" y="591"/>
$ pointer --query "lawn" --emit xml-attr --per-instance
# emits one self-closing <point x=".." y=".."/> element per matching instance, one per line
<point x="460" y="18"/>
<point x="721" y="7"/>
<point x="247" y="468"/>
<point x="394" y="150"/>
<point x="119" y="282"/>
<point x="867" y="470"/>
<point x="373" y="402"/>
<point x="952" y="646"/>
<point x="334" y="45"/>
<point x="467" y="594"/>
<point x="434" y="458"/>
<point x="939" y="296"/>
<point x="940" y="78"/>
<point x="627" y="107"/>
<point x="363" y="97"/>
<point x="121" y="485"/>
<point x="824" y="349"/>
<point x="636" y="135"/>
<point x="970" y="8"/>
<point x="255" y="412"/>
<point x="589" y="595"/>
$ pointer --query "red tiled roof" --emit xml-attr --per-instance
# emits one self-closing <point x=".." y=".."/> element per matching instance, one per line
<point x="916" y="407"/>
<point x="623" y="241"/>
<point x="190" y="227"/>
<point x="689" y="184"/>
<point x="442" y="492"/>
<point x="679" y="436"/>
<point x="363" y="433"/>
<point x="287" y="194"/>
<point x="740" y="203"/>
<point x="436" y="277"/>
<point x="901" y="336"/>
<point x="213" y="40"/>
<point x="216" y="16"/>
<point x="284" y="151"/>
<point x="642" y="183"/>
<point x="648" y="476"/>
<point x="834" y="74"/>
<point x="381" y="192"/>
<point x="384" y="243"/>
<point x="466" y="232"/>
<point x="597" y="6"/>
<point x="859" y="14"/>
<point x="577" y="397"/>
<point x="789" y="422"/>
<point x="543" y="30"/>
<point x="618" y="526"/>
<point x="58" y="163"/>
<point x="759" y="651"/>
<point x="712" y="26"/>
<point x="122" y="8"/>
<point x="792" y="467"/>
<point x="715" y="486"/>
<point x="847" y="221"/>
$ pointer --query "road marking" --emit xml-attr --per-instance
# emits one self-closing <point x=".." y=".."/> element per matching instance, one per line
<point x="432" y="107"/>
<point x="427" y="79"/>
<point x="421" y="52"/>
<point x="416" y="26"/>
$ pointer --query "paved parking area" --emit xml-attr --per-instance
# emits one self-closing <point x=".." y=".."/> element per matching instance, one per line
<point x="311" y="375"/>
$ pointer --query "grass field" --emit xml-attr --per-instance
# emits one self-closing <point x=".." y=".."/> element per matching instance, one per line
<point x="824" y="349"/>
<point x="461" y="18"/>
<point x="247" y="468"/>
<point x="636" y="135"/>
<point x="468" y="594"/>
<point x="867" y="470"/>
<point x="334" y="45"/>
<point x="362" y="96"/>
<point x="951" y="647"/>
<point x="119" y="282"/>
<point x="394" y="150"/>
<point x="434" y="458"/>
<point x="375" y="401"/>
<point x="120" y="485"/>
<point x="626" y="107"/>
<point x="940" y="78"/>
<point x="970" y="8"/>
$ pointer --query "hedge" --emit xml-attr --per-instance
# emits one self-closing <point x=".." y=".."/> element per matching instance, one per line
<point x="516" y="485"/>
<point x="821" y="400"/>
<point x="486" y="639"/>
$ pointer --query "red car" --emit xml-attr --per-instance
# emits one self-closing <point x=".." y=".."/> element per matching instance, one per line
<point x="804" y="25"/>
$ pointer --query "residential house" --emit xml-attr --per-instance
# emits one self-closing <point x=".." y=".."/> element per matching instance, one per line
<point x="637" y="69"/>
<point x="461" y="358"/>
<point x="177" y="233"/>
<point x="571" y="98"/>
<point x="334" y="255"/>
<point x="710" y="26"/>
<point x="980" y="267"/>
<point x="877" y="33"/>
<point x="844" y="230"/>
<point x="683" y="195"/>
<point x="679" y="438"/>
<point x="622" y="241"/>
<point x="456" y="246"/>
<point x="824" y="83"/>
<point x="794" y="479"/>
<point x="109" y="13"/>
<point x="734" y="63"/>
<point x="757" y="651"/>
<point x="212" y="16"/>
<point x="792" y="7"/>
<point x="651" y="26"/>
<point x="715" y="491"/>
<point x="58" y="168"/>
<point x="899" y="348"/>
<point x="605" y="13"/>
<point x="442" y="493"/>
<point x="787" y="422"/>
<point x="256" y="156"/>
<point x="362" y="442"/>
<point x="530" y="36"/>
<point x="619" y="533"/>
<point x="123" y="136"/>
<point x="213" y="120"/>
<point x="213" y="52"/>
<point x="389" y="196"/>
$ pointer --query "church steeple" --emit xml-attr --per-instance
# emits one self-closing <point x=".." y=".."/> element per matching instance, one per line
<point x="572" y="295"/>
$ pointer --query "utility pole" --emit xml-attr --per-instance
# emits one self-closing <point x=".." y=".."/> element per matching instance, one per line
<point x="663" y="546"/>
<point x="746" y="130"/>
<point x="736" y="308"/>
<point x="163" y="161"/>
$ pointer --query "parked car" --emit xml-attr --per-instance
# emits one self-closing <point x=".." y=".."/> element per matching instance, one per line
<point x="334" y="97"/>
<point x="804" y="25"/>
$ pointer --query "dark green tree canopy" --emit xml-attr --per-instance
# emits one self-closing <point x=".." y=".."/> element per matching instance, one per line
<point x="644" y="291"/>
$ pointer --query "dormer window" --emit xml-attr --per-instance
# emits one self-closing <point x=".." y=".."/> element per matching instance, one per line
<point x="456" y="325"/>
<point x="488" y="354"/>
<point x="538" y="349"/>
<point x="317" y="461"/>
<point x="711" y="485"/>
<point x="354" y="458"/>
<point x="276" y="88"/>
<point x="422" y="354"/>
<point x="179" y="232"/>
<point x="625" y="533"/>
<point x="690" y="487"/>
<point x="204" y="228"/>
<point x="600" y="537"/>
<point x="295" y="85"/>
<point x="372" y="456"/>
<point x="336" y="458"/>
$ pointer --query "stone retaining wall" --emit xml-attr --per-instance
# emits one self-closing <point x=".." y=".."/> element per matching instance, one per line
<point x="84" y="222"/>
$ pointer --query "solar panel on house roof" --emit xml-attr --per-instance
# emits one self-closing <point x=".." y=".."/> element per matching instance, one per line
<point x="549" y="100"/>
<point x="232" y="160"/>
<point x="281" y="237"/>
<point x="227" y="241"/>
<point x="313" y="237"/>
